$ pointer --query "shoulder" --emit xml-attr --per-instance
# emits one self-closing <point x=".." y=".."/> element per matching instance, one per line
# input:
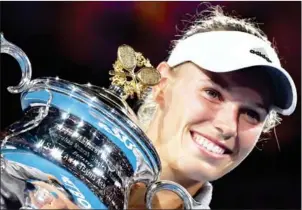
<point x="204" y="196"/>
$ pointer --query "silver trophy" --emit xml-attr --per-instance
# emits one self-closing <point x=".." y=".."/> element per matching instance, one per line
<point x="78" y="146"/>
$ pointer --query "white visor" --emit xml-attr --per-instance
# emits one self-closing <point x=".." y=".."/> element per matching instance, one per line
<point x="226" y="51"/>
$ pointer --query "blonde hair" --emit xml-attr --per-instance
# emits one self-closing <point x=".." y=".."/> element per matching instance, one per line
<point x="212" y="19"/>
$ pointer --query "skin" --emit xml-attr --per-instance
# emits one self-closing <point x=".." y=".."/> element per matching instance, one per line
<point x="59" y="202"/>
<point x="229" y="108"/>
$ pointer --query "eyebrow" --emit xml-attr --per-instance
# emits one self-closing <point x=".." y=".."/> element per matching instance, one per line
<point x="261" y="106"/>
<point x="214" y="83"/>
<point x="223" y="85"/>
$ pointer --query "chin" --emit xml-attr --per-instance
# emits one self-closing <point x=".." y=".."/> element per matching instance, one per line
<point x="201" y="171"/>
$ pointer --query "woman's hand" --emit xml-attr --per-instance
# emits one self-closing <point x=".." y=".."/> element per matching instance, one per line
<point x="162" y="199"/>
<point x="53" y="198"/>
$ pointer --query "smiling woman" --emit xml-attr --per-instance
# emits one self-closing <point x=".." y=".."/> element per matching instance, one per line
<point x="217" y="124"/>
<point x="217" y="95"/>
<point x="222" y="90"/>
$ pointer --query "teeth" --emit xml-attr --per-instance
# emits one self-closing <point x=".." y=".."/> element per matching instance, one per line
<point x="208" y="145"/>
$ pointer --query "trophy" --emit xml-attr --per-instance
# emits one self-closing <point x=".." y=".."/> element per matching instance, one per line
<point x="78" y="145"/>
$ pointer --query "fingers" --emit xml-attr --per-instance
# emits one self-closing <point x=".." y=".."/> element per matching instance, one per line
<point x="60" y="199"/>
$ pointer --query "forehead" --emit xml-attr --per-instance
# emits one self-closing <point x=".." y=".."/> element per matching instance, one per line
<point x="256" y="79"/>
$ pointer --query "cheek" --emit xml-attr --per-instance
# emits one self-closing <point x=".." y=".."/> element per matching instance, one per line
<point x="248" y="139"/>
<point x="184" y="103"/>
<point x="198" y="110"/>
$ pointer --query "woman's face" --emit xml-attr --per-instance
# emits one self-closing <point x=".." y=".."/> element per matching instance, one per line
<point x="209" y="122"/>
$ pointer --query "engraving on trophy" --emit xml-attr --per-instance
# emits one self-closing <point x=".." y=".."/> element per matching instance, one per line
<point x="90" y="155"/>
<point x="93" y="162"/>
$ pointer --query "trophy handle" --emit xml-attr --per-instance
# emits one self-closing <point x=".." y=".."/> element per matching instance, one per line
<point x="20" y="56"/>
<point x="189" y="202"/>
<point x="43" y="112"/>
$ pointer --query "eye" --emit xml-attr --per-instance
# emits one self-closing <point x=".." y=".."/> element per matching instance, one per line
<point x="251" y="116"/>
<point x="213" y="94"/>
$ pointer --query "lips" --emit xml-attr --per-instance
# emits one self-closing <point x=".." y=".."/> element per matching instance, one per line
<point x="210" y="145"/>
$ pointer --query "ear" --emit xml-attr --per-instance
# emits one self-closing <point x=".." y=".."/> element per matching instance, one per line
<point x="159" y="90"/>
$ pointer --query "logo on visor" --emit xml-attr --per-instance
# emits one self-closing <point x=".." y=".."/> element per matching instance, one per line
<point x="260" y="52"/>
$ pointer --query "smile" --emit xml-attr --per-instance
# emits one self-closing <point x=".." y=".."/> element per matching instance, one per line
<point x="209" y="147"/>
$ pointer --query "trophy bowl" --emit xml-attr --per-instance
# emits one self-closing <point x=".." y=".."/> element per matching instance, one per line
<point x="78" y="145"/>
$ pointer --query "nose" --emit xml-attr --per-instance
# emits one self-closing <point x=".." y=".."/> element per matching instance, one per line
<point x="226" y="121"/>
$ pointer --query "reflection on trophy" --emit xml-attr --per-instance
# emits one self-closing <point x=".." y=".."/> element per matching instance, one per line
<point x="78" y="146"/>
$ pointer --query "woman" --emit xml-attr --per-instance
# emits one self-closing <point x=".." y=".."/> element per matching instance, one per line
<point x="221" y="88"/>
